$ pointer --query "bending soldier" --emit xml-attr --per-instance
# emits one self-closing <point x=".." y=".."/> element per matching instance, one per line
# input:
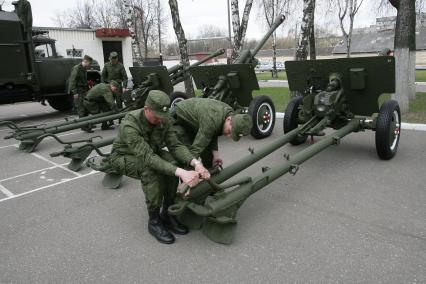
<point x="200" y="121"/>
<point x="101" y="98"/>
<point x="78" y="86"/>
<point x="138" y="152"/>
<point x="114" y="70"/>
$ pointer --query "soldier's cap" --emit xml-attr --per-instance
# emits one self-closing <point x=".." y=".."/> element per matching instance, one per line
<point x="159" y="103"/>
<point x="88" y="58"/>
<point x="114" y="83"/>
<point x="241" y="126"/>
<point x="113" y="55"/>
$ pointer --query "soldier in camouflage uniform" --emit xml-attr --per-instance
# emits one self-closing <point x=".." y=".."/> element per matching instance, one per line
<point x="78" y="87"/>
<point x="200" y="121"/>
<point x="138" y="152"/>
<point x="101" y="98"/>
<point x="114" y="70"/>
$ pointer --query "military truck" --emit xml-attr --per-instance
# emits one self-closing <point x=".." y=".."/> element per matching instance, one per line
<point x="31" y="69"/>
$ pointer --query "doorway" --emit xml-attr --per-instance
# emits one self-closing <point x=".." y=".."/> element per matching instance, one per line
<point x="110" y="46"/>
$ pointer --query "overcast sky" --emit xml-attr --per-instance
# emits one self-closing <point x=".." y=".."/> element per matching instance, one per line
<point x="196" y="13"/>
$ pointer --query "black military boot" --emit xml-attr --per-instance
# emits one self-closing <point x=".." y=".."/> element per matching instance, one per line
<point x="171" y="223"/>
<point x="106" y="126"/>
<point x="157" y="229"/>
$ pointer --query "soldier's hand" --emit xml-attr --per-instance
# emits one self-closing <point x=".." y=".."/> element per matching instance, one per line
<point x="191" y="178"/>
<point x="204" y="173"/>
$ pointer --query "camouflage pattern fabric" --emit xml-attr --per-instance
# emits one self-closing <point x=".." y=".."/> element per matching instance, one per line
<point x="77" y="85"/>
<point x="100" y="99"/>
<point x="199" y="122"/>
<point x="116" y="72"/>
<point x="138" y="153"/>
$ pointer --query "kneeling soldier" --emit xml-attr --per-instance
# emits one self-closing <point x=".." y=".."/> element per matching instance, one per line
<point x="200" y="121"/>
<point x="138" y="152"/>
<point x="101" y="98"/>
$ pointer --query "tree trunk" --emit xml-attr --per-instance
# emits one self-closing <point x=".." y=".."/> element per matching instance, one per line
<point x="239" y="29"/>
<point x="302" y="47"/>
<point x="183" y="49"/>
<point x="137" y="57"/>
<point x="312" y="45"/>
<point x="405" y="52"/>
<point x="274" y="56"/>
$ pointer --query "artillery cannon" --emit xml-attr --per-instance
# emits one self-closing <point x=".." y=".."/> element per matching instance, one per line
<point x="145" y="78"/>
<point x="234" y="84"/>
<point x="342" y="94"/>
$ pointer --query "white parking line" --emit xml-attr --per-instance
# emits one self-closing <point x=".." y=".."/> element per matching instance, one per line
<point x="33" y="172"/>
<point x="47" y="186"/>
<point x="7" y="146"/>
<point x="6" y="191"/>
<point x="55" y="164"/>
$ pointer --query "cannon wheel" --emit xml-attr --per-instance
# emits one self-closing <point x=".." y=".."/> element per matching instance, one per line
<point x="388" y="130"/>
<point x="176" y="97"/>
<point x="262" y="112"/>
<point x="291" y="120"/>
<point x="61" y="103"/>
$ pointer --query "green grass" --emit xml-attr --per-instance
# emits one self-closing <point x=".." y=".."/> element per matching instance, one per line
<point x="280" y="96"/>
<point x="420" y="76"/>
<point x="282" y="75"/>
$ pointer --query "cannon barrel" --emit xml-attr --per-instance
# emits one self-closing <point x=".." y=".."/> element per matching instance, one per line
<point x="179" y="76"/>
<point x="246" y="55"/>
<point x="280" y="19"/>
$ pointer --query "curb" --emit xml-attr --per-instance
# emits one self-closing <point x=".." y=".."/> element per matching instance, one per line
<point x="404" y="125"/>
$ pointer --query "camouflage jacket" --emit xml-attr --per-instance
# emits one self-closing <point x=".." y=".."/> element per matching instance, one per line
<point x="115" y="72"/>
<point x="77" y="81"/>
<point x="136" y="136"/>
<point x="102" y="91"/>
<point x="205" y="118"/>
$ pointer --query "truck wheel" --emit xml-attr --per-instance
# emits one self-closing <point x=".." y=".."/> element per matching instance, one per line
<point x="61" y="103"/>
<point x="262" y="112"/>
<point x="388" y="130"/>
<point x="291" y="120"/>
<point x="176" y="97"/>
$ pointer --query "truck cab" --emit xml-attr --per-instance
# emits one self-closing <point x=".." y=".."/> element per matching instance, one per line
<point x="35" y="71"/>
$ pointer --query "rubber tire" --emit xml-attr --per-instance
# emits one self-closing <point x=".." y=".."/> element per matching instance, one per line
<point x="383" y="128"/>
<point x="252" y="111"/>
<point x="291" y="120"/>
<point x="61" y="103"/>
<point x="176" y="95"/>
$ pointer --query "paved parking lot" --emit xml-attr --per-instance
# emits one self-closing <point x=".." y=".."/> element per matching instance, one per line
<point x="346" y="217"/>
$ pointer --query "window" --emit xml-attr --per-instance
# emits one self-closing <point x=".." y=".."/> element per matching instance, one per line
<point x="75" y="52"/>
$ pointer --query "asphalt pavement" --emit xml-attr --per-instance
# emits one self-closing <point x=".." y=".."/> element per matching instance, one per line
<point x="345" y="217"/>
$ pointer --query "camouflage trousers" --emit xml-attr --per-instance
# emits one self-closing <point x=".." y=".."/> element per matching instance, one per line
<point x="157" y="187"/>
<point x="95" y="107"/>
<point x="187" y="136"/>
<point x="79" y="104"/>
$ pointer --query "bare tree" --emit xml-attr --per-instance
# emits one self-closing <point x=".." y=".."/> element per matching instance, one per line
<point x="271" y="9"/>
<point x="312" y="44"/>
<point x="183" y="49"/>
<point x="130" y="22"/>
<point x="146" y="22"/>
<point x="347" y="11"/>
<point x="306" y="29"/>
<point x="239" y="28"/>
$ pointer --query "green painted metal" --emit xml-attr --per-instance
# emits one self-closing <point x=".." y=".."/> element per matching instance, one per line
<point x="233" y="83"/>
<point x="364" y="79"/>
<point x="334" y="92"/>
